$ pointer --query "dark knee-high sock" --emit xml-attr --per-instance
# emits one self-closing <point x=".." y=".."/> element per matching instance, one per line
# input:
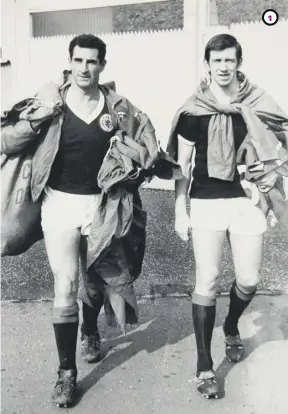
<point x="90" y="314"/>
<point x="65" y="324"/>
<point x="204" y="310"/>
<point x="238" y="303"/>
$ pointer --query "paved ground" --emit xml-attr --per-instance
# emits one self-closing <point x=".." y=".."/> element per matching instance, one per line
<point x="168" y="266"/>
<point x="152" y="369"/>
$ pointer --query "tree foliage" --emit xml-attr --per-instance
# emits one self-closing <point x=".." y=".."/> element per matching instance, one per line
<point x="169" y="14"/>
<point x="236" y="11"/>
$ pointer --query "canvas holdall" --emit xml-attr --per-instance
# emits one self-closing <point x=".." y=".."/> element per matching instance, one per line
<point x="20" y="217"/>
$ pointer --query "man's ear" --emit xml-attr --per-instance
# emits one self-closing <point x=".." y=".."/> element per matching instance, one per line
<point x="240" y="63"/>
<point x="207" y="66"/>
<point x="207" y="75"/>
<point x="103" y="64"/>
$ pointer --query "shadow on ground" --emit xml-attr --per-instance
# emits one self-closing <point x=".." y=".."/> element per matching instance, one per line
<point x="152" y="368"/>
<point x="162" y="326"/>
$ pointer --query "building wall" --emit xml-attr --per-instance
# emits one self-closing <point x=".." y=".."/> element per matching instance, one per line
<point x="58" y="17"/>
<point x="6" y="86"/>
<point x="156" y="15"/>
<point x="7" y="28"/>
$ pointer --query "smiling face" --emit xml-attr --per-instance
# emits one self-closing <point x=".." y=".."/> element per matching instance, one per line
<point x="86" y="67"/>
<point x="223" y="66"/>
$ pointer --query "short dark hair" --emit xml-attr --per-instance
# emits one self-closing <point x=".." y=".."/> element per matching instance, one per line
<point x="88" y="41"/>
<point x="221" y="42"/>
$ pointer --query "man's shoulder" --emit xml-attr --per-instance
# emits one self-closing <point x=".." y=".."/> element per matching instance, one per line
<point x="120" y="102"/>
<point x="109" y="86"/>
<point x="187" y="120"/>
<point x="186" y="117"/>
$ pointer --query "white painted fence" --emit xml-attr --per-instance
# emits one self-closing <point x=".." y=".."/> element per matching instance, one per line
<point x="158" y="70"/>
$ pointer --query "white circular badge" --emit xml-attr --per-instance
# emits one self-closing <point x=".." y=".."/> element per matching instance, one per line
<point x="106" y="123"/>
<point x="270" y="17"/>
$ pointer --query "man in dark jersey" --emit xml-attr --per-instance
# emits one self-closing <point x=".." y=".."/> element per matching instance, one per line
<point x="68" y="158"/>
<point x="218" y="203"/>
<point x="71" y="197"/>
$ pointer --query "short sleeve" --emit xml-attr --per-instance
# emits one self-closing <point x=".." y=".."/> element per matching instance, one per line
<point x="187" y="128"/>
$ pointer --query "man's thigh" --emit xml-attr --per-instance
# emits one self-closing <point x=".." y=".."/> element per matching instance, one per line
<point x="247" y="220"/>
<point x="247" y="253"/>
<point x="246" y="232"/>
<point x="62" y="219"/>
<point x="63" y="251"/>
<point x="208" y="247"/>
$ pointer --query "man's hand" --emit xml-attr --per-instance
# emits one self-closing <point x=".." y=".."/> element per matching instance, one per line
<point x="267" y="182"/>
<point x="272" y="220"/>
<point x="182" y="224"/>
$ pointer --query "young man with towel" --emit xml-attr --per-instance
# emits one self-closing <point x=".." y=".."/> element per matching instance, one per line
<point x="224" y="121"/>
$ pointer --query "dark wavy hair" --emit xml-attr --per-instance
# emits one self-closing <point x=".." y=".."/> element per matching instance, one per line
<point x="88" y="41"/>
<point x="221" y="42"/>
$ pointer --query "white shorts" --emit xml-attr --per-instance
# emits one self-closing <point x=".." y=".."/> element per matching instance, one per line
<point x="238" y="215"/>
<point x="64" y="211"/>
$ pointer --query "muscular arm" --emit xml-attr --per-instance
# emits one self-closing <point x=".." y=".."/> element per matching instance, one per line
<point x="187" y="130"/>
<point x="185" y="153"/>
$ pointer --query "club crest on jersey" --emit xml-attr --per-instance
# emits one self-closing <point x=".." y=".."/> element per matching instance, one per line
<point x="105" y="122"/>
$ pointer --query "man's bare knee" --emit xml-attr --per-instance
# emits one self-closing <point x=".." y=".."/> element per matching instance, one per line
<point x="66" y="287"/>
<point x="206" y="281"/>
<point x="248" y="285"/>
<point x="248" y="280"/>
